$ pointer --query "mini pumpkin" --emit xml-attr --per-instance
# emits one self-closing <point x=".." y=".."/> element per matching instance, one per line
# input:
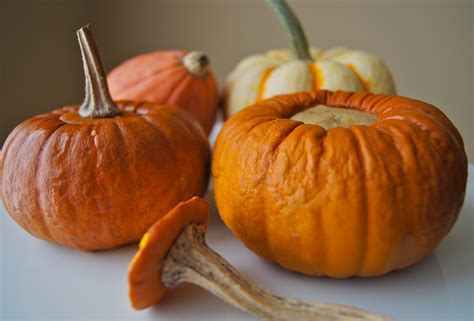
<point x="340" y="184"/>
<point x="99" y="175"/>
<point x="278" y="72"/>
<point x="176" y="77"/>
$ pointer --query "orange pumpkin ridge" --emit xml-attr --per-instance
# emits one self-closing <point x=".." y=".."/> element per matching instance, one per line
<point x="144" y="88"/>
<point x="169" y="77"/>
<point x="142" y="75"/>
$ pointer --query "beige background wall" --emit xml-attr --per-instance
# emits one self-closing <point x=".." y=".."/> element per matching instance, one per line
<point x="427" y="44"/>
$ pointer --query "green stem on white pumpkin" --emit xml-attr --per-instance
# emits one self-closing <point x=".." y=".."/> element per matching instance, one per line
<point x="97" y="102"/>
<point x="293" y="27"/>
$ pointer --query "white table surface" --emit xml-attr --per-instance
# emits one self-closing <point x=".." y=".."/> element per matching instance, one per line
<point x="42" y="281"/>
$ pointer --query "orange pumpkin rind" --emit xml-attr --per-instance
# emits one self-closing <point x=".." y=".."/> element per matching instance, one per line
<point x="144" y="276"/>
<point x="71" y="176"/>
<point x="358" y="200"/>
<point x="175" y="77"/>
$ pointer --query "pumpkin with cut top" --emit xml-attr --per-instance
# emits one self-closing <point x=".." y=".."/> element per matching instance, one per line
<point x="340" y="184"/>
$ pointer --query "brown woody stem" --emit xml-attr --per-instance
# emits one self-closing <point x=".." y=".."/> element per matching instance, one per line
<point x="191" y="260"/>
<point x="97" y="102"/>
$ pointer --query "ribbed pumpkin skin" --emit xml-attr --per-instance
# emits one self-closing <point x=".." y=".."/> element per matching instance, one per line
<point x="276" y="72"/>
<point x="362" y="200"/>
<point x="99" y="183"/>
<point x="161" y="77"/>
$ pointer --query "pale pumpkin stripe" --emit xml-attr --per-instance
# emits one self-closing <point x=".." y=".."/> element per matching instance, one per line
<point x="261" y="87"/>
<point x="291" y="77"/>
<point x="251" y="62"/>
<point x="244" y="92"/>
<point x="364" y="83"/>
<point x="334" y="75"/>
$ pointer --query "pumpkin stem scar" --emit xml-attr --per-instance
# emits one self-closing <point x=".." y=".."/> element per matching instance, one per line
<point x="293" y="27"/>
<point x="196" y="63"/>
<point x="97" y="101"/>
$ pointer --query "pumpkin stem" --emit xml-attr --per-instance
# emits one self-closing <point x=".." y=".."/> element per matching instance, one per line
<point x="97" y="102"/>
<point x="190" y="260"/>
<point x="196" y="63"/>
<point x="293" y="27"/>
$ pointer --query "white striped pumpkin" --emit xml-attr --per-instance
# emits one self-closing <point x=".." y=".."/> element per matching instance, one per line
<point x="284" y="71"/>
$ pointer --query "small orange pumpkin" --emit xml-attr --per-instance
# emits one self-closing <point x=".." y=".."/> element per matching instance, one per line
<point x="177" y="78"/>
<point x="361" y="186"/>
<point x="99" y="175"/>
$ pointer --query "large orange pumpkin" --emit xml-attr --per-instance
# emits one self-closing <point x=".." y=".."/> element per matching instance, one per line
<point x="98" y="176"/>
<point x="362" y="185"/>
<point x="177" y="78"/>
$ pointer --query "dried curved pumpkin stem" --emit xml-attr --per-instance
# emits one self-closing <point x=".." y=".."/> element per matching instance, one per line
<point x="293" y="26"/>
<point x="97" y="102"/>
<point x="174" y="250"/>
<point x="191" y="260"/>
